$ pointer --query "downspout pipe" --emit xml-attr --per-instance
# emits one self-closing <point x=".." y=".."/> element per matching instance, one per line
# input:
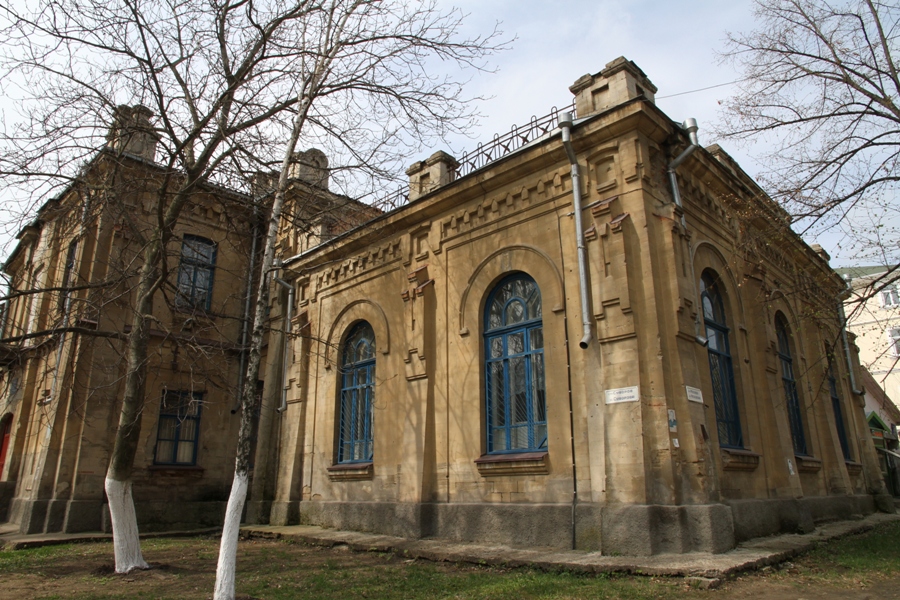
<point x="565" y="124"/>
<point x="289" y="314"/>
<point x="690" y="126"/>
<point x="846" y="341"/>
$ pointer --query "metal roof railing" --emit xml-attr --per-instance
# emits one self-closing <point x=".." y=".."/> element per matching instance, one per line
<point x="485" y="154"/>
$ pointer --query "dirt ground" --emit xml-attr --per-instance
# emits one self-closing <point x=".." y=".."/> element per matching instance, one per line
<point x="270" y="570"/>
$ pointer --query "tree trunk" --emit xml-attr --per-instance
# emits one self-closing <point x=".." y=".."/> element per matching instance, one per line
<point x="126" y="540"/>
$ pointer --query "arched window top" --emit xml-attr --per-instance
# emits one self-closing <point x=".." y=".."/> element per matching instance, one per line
<point x="515" y="301"/>
<point x="711" y="298"/>
<point x="360" y="344"/>
<point x="783" y="334"/>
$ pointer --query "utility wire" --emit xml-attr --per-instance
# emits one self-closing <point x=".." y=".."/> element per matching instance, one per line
<point x="701" y="89"/>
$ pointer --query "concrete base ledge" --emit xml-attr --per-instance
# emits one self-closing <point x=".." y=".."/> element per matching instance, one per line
<point x="614" y="529"/>
<point x="747" y="556"/>
<point x="77" y="516"/>
<point x="758" y="518"/>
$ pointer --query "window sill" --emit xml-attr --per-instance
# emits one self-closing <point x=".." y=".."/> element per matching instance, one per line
<point x="524" y="463"/>
<point x="808" y="464"/>
<point x="853" y="468"/>
<point x="735" y="459"/>
<point x="176" y="470"/>
<point x="350" y="472"/>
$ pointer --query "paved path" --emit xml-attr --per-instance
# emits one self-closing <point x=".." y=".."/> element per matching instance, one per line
<point x="750" y="555"/>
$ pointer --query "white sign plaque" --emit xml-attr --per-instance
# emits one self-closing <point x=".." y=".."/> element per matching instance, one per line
<point x="627" y="394"/>
<point x="694" y="394"/>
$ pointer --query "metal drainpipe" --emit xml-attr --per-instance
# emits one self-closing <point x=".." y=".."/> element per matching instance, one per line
<point x="246" y="323"/>
<point x="565" y="124"/>
<point x="289" y="314"/>
<point x="846" y="341"/>
<point x="689" y="125"/>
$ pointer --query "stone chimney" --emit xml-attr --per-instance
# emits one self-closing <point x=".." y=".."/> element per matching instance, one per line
<point x="619" y="82"/>
<point x="310" y="167"/>
<point x="132" y="132"/>
<point x="427" y="175"/>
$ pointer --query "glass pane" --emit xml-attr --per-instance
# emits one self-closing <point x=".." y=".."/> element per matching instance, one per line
<point x="537" y="388"/>
<point x="495" y="318"/>
<point x="517" y="393"/>
<point x="496" y="398"/>
<point x="536" y="337"/>
<point x="498" y="439"/>
<point x="515" y="312"/>
<point x="515" y="343"/>
<point x="167" y="426"/>
<point x="496" y="347"/>
<point x="518" y="438"/>
<point x="708" y="309"/>
<point x="185" y="453"/>
<point x="164" y="451"/>
<point x="188" y="430"/>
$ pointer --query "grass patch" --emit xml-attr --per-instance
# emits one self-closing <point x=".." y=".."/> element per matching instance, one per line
<point x="276" y="570"/>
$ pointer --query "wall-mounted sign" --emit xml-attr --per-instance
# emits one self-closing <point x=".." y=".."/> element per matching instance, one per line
<point x="694" y="394"/>
<point x="627" y="394"/>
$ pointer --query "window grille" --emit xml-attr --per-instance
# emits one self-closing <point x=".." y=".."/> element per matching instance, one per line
<point x="514" y="367"/>
<point x="721" y="370"/>
<point x="195" y="273"/>
<point x="178" y="433"/>
<point x="357" y="372"/>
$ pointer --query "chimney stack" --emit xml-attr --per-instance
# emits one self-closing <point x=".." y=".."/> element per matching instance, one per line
<point x="132" y="132"/>
<point x="619" y="82"/>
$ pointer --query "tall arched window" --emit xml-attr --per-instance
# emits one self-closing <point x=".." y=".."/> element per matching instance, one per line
<point x="790" y="385"/>
<point x="721" y="371"/>
<point x="355" y="441"/>
<point x="514" y="367"/>
<point x="836" y="407"/>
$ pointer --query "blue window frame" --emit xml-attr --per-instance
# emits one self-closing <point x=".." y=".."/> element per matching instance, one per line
<point x="357" y="372"/>
<point x="838" y="410"/>
<point x="792" y="400"/>
<point x="178" y="433"/>
<point x="721" y="370"/>
<point x="195" y="273"/>
<point x="514" y="367"/>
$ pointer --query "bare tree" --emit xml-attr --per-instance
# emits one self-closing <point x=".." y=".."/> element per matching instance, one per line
<point x="374" y="60"/>
<point x="233" y="84"/>
<point x="821" y="90"/>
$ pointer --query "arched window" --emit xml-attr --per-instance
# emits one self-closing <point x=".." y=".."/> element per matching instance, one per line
<point x="357" y="372"/>
<point x="836" y="407"/>
<point x="721" y="371"/>
<point x="790" y="385"/>
<point x="514" y="367"/>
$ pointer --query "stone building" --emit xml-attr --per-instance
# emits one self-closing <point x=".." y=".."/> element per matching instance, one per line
<point x="592" y="333"/>
<point x="64" y="354"/>
<point x="452" y="373"/>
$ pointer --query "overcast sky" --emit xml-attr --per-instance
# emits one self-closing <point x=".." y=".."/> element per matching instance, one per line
<point x="674" y="43"/>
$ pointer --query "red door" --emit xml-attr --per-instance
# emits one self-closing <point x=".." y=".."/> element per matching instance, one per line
<point x="5" y="426"/>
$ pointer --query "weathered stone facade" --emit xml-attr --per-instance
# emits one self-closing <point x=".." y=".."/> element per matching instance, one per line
<point x="633" y="461"/>
<point x="435" y="380"/>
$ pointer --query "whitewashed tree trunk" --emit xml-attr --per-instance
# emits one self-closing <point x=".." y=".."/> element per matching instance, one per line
<point x="225" y="570"/>
<point x="126" y="542"/>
